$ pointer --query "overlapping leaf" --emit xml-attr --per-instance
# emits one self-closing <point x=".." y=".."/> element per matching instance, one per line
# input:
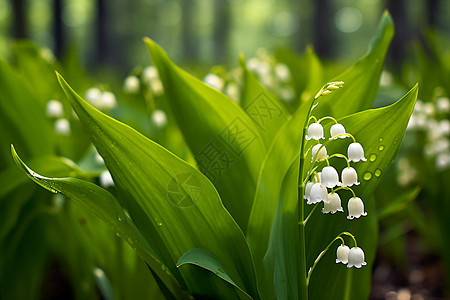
<point x="225" y="141"/>
<point x="174" y="206"/>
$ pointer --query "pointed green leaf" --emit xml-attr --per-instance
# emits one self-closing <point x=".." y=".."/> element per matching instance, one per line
<point x="263" y="107"/>
<point x="107" y="208"/>
<point x="208" y="261"/>
<point x="225" y="141"/>
<point x="174" y="206"/>
<point x="362" y="79"/>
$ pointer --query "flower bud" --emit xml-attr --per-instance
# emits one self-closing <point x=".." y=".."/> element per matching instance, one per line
<point x="349" y="177"/>
<point x="355" y="208"/>
<point x="318" y="193"/>
<point x="315" y="131"/>
<point x="62" y="127"/>
<point x="330" y="177"/>
<point x="334" y="204"/>
<point x="337" y="129"/>
<point x="342" y="254"/>
<point x="355" y="152"/>
<point x="356" y="258"/>
<point x="54" y="109"/>
<point x="321" y="155"/>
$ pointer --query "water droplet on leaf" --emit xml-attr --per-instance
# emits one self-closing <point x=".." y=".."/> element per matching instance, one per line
<point x="373" y="157"/>
<point x="381" y="148"/>
<point x="367" y="176"/>
<point x="380" y="139"/>
<point x="378" y="172"/>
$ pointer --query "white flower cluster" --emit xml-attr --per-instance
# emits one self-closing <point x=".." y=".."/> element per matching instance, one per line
<point x="55" y="110"/>
<point x="353" y="257"/>
<point x="149" y="79"/>
<point x="433" y="120"/>
<point x="273" y="75"/>
<point x="229" y="87"/>
<point x="317" y="190"/>
<point x="103" y="100"/>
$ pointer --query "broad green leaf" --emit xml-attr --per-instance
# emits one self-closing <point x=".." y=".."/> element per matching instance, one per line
<point x="174" y="206"/>
<point x="106" y="207"/>
<point x="22" y="118"/>
<point x="314" y="74"/>
<point x="263" y="107"/>
<point x="380" y="131"/>
<point x="225" y="141"/>
<point x="210" y="262"/>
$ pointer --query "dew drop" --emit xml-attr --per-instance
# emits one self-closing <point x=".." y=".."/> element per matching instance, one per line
<point x="367" y="176"/>
<point x="377" y="173"/>
<point x="380" y="139"/>
<point x="373" y="157"/>
<point x="119" y="218"/>
<point x="381" y="148"/>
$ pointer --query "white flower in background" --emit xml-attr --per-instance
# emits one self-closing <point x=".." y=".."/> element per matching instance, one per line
<point x="334" y="204"/>
<point x="48" y="55"/>
<point x="445" y="127"/>
<point x="315" y="131"/>
<point x="355" y="208"/>
<point x="308" y="187"/>
<point x="356" y="258"/>
<point x="349" y="177"/>
<point x="321" y="155"/>
<point x="156" y="87"/>
<point x="62" y="126"/>
<point x="386" y="78"/>
<point x="337" y="129"/>
<point x="443" y="104"/>
<point x="342" y="254"/>
<point x="406" y="173"/>
<point x="214" y="81"/>
<point x="233" y="91"/>
<point x="106" y="179"/>
<point x="329" y="177"/>
<point x="428" y="109"/>
<point x="93" y="96"/>
<point x="253" y="64"/>
<point x="282" y="72"/>
<point x="99" y="159"/>
<point x="107" y="101"/>
<point x="443" y="161"/>
<point x="131" y="85"/>
<point x="287" y="94"/>
<point x="318" y="193"/>
<point x="54" y="109"/>
<point x="150" y="73"/>
<point x="355" y="152"/>
<point x="159" y="118"/>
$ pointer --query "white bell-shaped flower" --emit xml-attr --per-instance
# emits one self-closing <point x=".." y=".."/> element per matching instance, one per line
<point x="356" y="258"/>
<point x="318" y="193"/>
<point x="329" y="177"/>
<point x="342" y="254"/>
<point x="337" y="129"/>
<point x="355" y="152"/>
<point x="308" y="187"/>
<point x="62" y="126"/>
<point x="315" y="131"/>
<point x="333" y="205"/>
<point x="54" y="109"/>
<point x="131" y="85"/>
<point x="322" y="155"/>
<point x="349" y="177"/>
<point x="355" y="208"/>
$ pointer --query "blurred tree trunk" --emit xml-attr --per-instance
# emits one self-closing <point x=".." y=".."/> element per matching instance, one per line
<point x="323" y="37"/>
<point x="188" y="36"/>
<point x="398" y="10"/>
<point x="101" y="33"/>
<point x="19" y="23"/>
<point x="58" y="28"/>
<point x="222" y="16"/>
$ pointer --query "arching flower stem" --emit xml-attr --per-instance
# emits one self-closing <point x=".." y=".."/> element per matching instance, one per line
<point x="341" y="156"/>
<point x="325" y="251"/>
<point x="344" y="134"/>
<point x="345" y="188"/>
<point x="313" y="118"/>
<point x="327" y="118"/>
